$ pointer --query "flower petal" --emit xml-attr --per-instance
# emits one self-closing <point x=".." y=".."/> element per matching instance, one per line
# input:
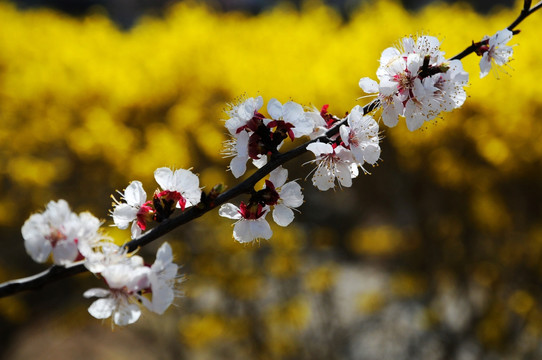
<point x="246" y="231"/>
<point x="96" y="292"/>
<point x="102" y="308"/>
<point x="368" y="85"/>
<point x="134" y="194"/>
<point x="123" y="215"/>
<point x="164" y="177"/>
<point x="229" y="211"/>
<point x="278" y="176"/>
<point x="274" y="108"/>
<point x="291" y="194"/>
<point x="283" y="215"/>
<point x="126" y="314"/>
<point x="65" y="252"/>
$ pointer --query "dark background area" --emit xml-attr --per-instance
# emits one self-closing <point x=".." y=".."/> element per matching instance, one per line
<point x="126" y="12"/>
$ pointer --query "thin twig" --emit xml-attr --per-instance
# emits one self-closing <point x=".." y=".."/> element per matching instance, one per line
<point x="525" y="12"/>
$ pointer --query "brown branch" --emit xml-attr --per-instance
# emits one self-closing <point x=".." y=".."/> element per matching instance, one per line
<point x="34" y="282"/>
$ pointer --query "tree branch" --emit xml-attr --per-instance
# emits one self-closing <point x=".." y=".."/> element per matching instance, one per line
<point x="57" y="272"/>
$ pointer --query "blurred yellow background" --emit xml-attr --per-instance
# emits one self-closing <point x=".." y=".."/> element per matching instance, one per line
<point x="436" y="255"/>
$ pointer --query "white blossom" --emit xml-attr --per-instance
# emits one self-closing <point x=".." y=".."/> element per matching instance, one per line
<point x="126" y="282"/>
<point x="497" y="53"/>
<point x="250" y="225"/>
<point x="134" y="211"/>
<point x="240" y="114"/>
<point x="361" y="136"/>
<point x="334" y="162"/>
<point x="237" y="148"/>
<point x="163" y="279"/>
<point x="59" y="231"/>
<point x="290" y="196"/>
<point x="181" y="181"/>
<point x="291" y="113"/>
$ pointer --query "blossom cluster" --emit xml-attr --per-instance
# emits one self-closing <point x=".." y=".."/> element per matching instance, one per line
<point x="72" y="237"/>
<point x="179" y="189"/>
<point x="415" y="82"/>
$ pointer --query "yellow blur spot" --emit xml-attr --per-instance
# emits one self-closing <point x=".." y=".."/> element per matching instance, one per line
<point x="377" y="241"/>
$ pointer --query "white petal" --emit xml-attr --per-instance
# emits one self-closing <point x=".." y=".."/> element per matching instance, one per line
<point x="318" y="148"/>
<point x="135" y="230"/>
<point x="501" y="37"/>
<point x="162" y="298"/>
<point x="241" y="146"/>
<point x="258" y="103"/>
<point x="278" y="176"/>
<point x="34" y="231"/>
<point x="291" y="194"/>
<point x="274" y="108"/>
<point x="246" y="231"/>
<point x="164" y="256"/>
<point x="368" y="85"/>
<point x="96" y="292"/>
<point x="344" y="131"/>
<point x="126" y="314"/>
<point x="187" y="183"/>
<point x="413" y="120"/>
<point x="123" y="215"/>
<point x="485" y="65"/>
<point x="343" y="174"/>
<point x="229" y="211"/>
<point x="303" y="126"/>
<point x="102" y="308"/>
<point x="357" y="152"/>
<point x="292" y="112"/>
<point x="323" y="179"/>
<point x="238" y="166"/>
<point x="283" y="215"/>
<point x="134" y="194"/>
<point x="388" y="55"/>
<point x="65" y="252"/>
<point x="371" y="153"/>
<point x="164" y="177"/>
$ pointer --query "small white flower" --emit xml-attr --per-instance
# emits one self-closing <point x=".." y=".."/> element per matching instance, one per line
<point x="163" y="278"/>
<point x="237" y="147"/>
<point x="59" y="231"/>
<point x="290" y="196"/>
<point x="291" y="113"/>
<point x="333" y="162"/>
<point x="361" y="136"/>
<point x="392" y="106"/>
<point x="497" y="52"/>
<point x="251" y="224"/>
<point x="135" y="210"/>
<point x="242" y="113"/>
<point x="181" y="181"/>
<point x="126" y="282"/>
